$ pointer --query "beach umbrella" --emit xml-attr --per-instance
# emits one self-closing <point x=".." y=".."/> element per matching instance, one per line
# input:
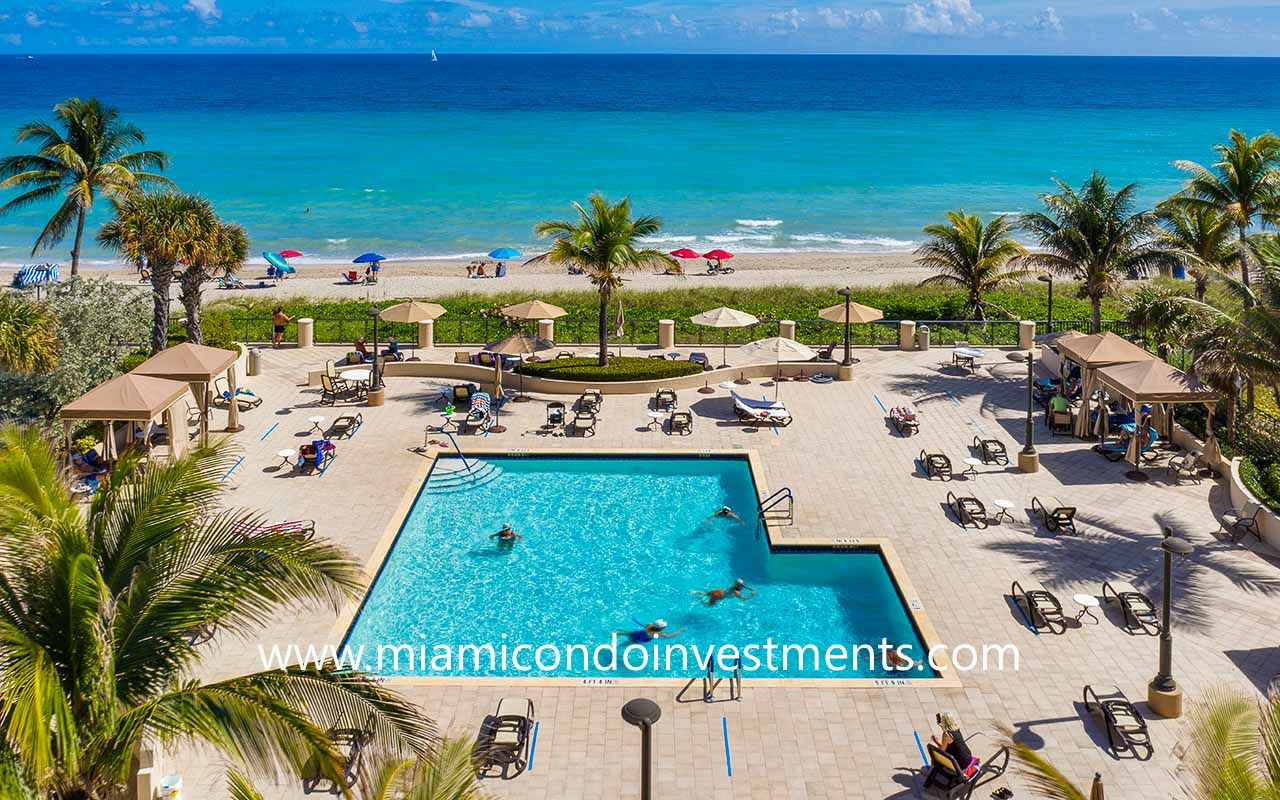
<point x="290" y="254"/>
<point x="618" y="322"/>
<point x="279" y="263"/>
<point x="367" y="258"/>
<point x="519" y="344"/>
<point x="718" y="255"/>
<point x="505" y="253"/>
<point x="533" y="309"/>
<point x="723" y="317"/>
<point x="777" y="348"/>
<point x="685" y="252"/>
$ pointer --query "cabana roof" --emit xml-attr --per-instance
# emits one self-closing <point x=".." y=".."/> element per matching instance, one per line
<point x="1101" y="350"/>
<point x="1154" y="381"/>
<point x="134" y="398"/>
<point x="194" y="363"/>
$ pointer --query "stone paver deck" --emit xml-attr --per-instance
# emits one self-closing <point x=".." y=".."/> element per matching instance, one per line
<point x="852" y="476"/>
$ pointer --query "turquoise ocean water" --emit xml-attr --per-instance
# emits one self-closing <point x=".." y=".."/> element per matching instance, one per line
<point x="334" y="155"/>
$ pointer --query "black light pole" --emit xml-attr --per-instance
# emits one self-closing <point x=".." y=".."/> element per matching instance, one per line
<point x="1028" y="443"/>
<point x="374" y="312"/>
<point x="1163" y="694"/>
<point x="848" y="312"/>
<point x="643" y="713"/>
<point x="1049" y="280"/>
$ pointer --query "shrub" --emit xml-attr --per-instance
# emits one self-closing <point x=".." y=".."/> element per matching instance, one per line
<point x="626" y="368"/>
<point x="1263" y="480"/>
<point x="133" y="360"/>
<point x="217" y="331"/>
<point x="83" y="444"/>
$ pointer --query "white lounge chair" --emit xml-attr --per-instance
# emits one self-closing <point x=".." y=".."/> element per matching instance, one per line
<point x="757" y="411"/>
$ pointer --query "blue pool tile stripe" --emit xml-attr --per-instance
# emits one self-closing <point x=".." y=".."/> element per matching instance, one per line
<point x="239" y="461"/>
<point x="728" y="760"/>
<point x="269" y="430"/>
<point x="920" y="746"/>
<point x="882" y="408"/>
<point x="533" y="746"/>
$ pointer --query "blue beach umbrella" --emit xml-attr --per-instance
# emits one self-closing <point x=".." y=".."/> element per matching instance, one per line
<point x="367" y="258"/>
<point x="505" y="253"/>
<point x="275" y="260"/>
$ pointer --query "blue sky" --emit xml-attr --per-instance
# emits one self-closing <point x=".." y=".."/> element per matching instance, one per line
<point x="1179" y="27"/>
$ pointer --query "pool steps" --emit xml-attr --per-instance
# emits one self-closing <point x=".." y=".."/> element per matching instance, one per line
<point x="459" y="479"/>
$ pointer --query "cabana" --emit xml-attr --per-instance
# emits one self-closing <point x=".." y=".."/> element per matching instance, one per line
<point x="133" y="400"/>
<point x="197" y="365"/>
<point x="1093" y="353"/>
<point x="1160" y="385"/>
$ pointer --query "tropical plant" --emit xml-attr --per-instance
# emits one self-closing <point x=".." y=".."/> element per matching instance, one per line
<point x="97" y="610"/>
<point x="226" y="251"/>
<point x="1198" y="237"/>
<point x="89" y="151"/>
<point x="159" y="231"/>
<point x="972" y="255"/>
<point x="1094" y="236"/>
<point x="28" y="335"/>
<point x="606" y="243"/>
<point x="1243" y="184"/>
<point x="1161" y="317"/>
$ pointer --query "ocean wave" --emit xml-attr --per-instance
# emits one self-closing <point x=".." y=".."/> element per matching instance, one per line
<point x="758" y="223"/>
<point x="874" y="241"/>
<point x="343" y="240"/>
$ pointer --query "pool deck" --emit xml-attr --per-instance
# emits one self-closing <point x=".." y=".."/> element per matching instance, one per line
<point x="853" y="477"/>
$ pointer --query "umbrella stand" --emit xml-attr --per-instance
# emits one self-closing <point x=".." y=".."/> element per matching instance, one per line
<point x="724" y="351"/>
<point x="520" y="397"/>
<point x="706" y="388"/>
<point x="742" y="379"/>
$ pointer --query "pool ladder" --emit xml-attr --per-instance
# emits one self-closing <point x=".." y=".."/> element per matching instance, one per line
<point x="778" y="507"/>
<point x="467" y="465"/>
<point x="710" y="682"/>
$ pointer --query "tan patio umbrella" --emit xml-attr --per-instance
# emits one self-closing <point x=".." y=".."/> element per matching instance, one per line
<point x="777" y="348"/>
<point x="850" y="313"/>
<point x="723" y="317"/>
<point x="533" y="309"/>
<point x="1095" y="792"/>
<point x="412" y="311"/>
<point x="517" y="344"/>
<point x="198" y="365"/>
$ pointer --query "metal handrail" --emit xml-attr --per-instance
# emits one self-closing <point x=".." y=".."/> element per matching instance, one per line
<point x="771" y="502"/>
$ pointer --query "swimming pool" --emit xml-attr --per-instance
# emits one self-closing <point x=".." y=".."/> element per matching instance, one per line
<point x="611" y="543"/>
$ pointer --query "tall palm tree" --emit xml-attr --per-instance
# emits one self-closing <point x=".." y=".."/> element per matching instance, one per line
<point x="1244" y="184"/>
<point x="1161" y="317"/>
<point x="28" y="335"/>
<point x="96" y="613"/>
<point x="159" y="231"/>
<point x="1093" y="236"/>
<point x="605" y="242"/>
<point x="1200" y="238"/>
<point x="226" y="251"/>
<point x="973" y="255"/>
<point x="89" y="151"/>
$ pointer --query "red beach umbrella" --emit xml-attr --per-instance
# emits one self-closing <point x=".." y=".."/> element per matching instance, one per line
<point x="718" y="255"/>
<point x="289" y="254"/>
<point x="685" y="252"/>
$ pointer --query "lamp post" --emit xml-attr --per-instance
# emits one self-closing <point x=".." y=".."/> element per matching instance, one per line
<point x="1028" y="458"/>
<point x="847" y="294"/>
<point x="643" y="713"/>
<point x="375" y="312"/>
<point x="1049" y="280"/>
<point x="1163" y="694"/>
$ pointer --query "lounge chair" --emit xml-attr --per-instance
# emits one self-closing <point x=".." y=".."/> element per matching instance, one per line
<point x="967" y="510"/>
<point x="478" y="416"/>
<point x="584" y="422"/>
<point x="1061" y="422"/>
<point x="827" y="353"/>
<point x="317" y="456"/>
<point x="1055" y="514"/>
<point x="591" y="400"/>
<point x="935" y="465"/>
<point x="701" y="358"/>
<point x="555" y="414"/>
<point x="992" y="450"/>
<point x="393" y="351"/>
<point x="303" y="529"/>
<point x="1126" y="729"/>
<point x="462" y="394"/>
<point x="365" y="356"/>
<point x="1187" y="465"/>
<point x="904" y="419"/>
<point x="1117" y="449"/>
<point x="346" y="425"/>
<point x="1139" y="611"/>
<point x="502" y="748"/>
<point x="758" y="411"/>
<point x="961" y="780"/>
<point x="334" y="389"/>
<point x="681" y="422"/>
<point x="244" y="398"/>
<point x="565" y="354"/>
<point x="664" y="399"/>
<point x="351" y="744"/>
<point x="1043" y="610"/>
<point x="486" y="359"/>
<point x="1242" y="522"/>
<point x="350" y="277"/>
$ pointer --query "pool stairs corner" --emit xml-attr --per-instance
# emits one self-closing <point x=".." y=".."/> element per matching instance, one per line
<point x="455" y="479"/>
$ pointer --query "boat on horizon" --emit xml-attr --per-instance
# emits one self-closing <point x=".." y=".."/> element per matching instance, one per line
<point x="433" y="57"/>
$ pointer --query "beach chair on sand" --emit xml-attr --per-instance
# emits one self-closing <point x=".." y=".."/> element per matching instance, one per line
<point x="991" y="450"/>
<point x="1055" y="514"/>
<point x="1126" y="729"/>
<point x="1139" y="612"/>
<point x="959" y="781"/>
<point x="967" y="510"/>
<point x="1042" y="608"/>
<point x="584" y="422"/>
<point x="681" y="422"/>
<point x="760" y="411"/>
<point x="502" y="748"/>
<point x="904" y="419"/>
<point x="350" y="743"/>
<point x="935" y="465"/>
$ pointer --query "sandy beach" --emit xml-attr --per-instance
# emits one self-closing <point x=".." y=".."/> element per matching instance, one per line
<point x="435" y="278"/>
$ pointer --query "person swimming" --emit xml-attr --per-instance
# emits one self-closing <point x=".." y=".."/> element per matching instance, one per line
<point x="739" y="589"/>
<point x="506" y="537"/>
<point x="648" y="633"/>
<point x="725" y="512"/>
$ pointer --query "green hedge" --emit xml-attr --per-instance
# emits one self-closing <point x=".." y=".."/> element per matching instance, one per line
<point x="626" y="368"/>
<point x="1263" y="479"/>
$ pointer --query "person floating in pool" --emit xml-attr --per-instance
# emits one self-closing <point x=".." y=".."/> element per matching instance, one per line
<point x="506" y="537"/>
<point x="654" y="630"/>
<point x="739" y="589"/>
<point x="725" y="512"/>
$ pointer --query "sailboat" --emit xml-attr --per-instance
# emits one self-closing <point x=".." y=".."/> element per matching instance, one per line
<point x="433" y="57"/>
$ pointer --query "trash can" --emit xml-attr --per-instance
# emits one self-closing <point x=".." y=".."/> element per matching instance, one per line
<point x="922" y="337"/>
<point x="255" y="358"/>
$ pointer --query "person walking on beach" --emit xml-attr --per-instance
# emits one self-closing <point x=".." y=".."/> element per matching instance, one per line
<point x="278" y="320"/>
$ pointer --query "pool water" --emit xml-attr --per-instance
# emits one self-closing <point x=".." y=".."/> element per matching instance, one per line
<point x="610" y="543"/>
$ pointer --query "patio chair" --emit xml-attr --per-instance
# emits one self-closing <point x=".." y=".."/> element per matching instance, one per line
<point x="317" y="456"/>
<point x="245" y="399"/>
<point x="1044" y="612"/>
<point x="555" y="414"/>
<point x="193" y="418"/>
<point x="478" y="415"/>
<point x="565" y="354"/>
<point x="935" y="465"/>
<point x="350" y="277"/>
<point x="334" y="389"/>
<point x="1126" y="729"/>
<point x="393" y="351"/>
<point x="664" y="399"/>
<point x="967" y="510"/>
<point x="758" y="411"/>
<point x="1139" y="612"/>
<point x="1055" y="514"/>
<point x="1187" y="465"/>
<point x="1061" y="422"/>
<point x="992" y="450"/>
<point x="701" y="358"/>
<point x="682" y="422"/>
<point x="591" y="400"/>
<point x="827" y="353"/>
<point x="904" y="419"/>
<point x="502" y="748"/>
<point x="1242" y="522"/>
<point x="584" y="422"/>
<point x="461" y="357"/>
<point x="346" y="425"/>
<point x="350" y="744"/>
<point x="958" y="781"/>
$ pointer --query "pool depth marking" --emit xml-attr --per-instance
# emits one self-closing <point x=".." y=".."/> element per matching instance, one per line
<point x="268" y="433"/>
<point x="239" y="461"/>
<point x="728" y="760"/>
<point x="921" y="747"/>
<point x="533" y="746"/>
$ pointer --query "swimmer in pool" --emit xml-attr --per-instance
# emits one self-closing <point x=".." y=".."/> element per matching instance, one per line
<point x="725" y="512"/>
<point x="739" y="590"/>
<point x="654" y="630"/>
<point x="506" y="536"/>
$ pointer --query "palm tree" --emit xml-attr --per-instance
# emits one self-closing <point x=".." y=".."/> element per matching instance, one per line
<point x="972" y="255"/>
<point x="1161" y="317"/>
<point x="28" y="335"/>
<point x="97" y="608"/>
<point x="226" y="251"/>
<point x="90" y="151"/>
<point x="159" y="231"/>
<point x="1092" y="236"/>
<point x="605" y="242"/>
<point x="1199" y="237"/>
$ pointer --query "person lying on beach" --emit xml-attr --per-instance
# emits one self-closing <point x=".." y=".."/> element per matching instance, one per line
<point x="725" y="512"/>
<point x="506" y="536"/>
<point x="739" y="589"/>
<point x="654" y="630"/>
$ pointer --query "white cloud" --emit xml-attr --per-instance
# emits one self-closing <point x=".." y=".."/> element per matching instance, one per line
<point x="787" y="19"/>
<point x="942" y="17"/>
<point x="840" y="19"/>
<point x="1140" y="23"/>
<point x="206" y="10"/>
<point x="689" y="27"/>
<point x="477" y="20"/>
<point x="14" y="39"/>
<point x="1215" y="24"/>
<point x="517" y="17"/>
<point x="33" y="19"/>
<point x="219" y="41"/>
<point x="1048" y="22"/>
<point x="359" y="27"/>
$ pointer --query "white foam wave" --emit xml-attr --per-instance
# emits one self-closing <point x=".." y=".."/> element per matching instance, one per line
<point x="758" y="223"/>
<point x="343" y="240"/>
<point x="874" y="241"/>
<point x="1004" y="213"/>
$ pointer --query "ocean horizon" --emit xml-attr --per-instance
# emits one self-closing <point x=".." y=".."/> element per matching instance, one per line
<point x="334" y="155"/>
